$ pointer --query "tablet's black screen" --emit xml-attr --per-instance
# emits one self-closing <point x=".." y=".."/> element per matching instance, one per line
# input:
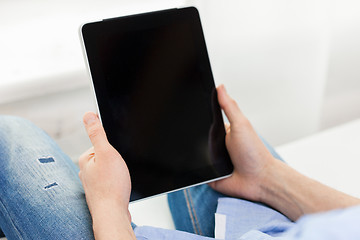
<point x="157" y="99"/>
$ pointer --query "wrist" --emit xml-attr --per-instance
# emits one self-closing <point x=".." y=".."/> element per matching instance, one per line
<point x="109" y="207"/>
<point x="273" y="183"/>
<point x="283" y="190"/>
<point x="112" y="221"/>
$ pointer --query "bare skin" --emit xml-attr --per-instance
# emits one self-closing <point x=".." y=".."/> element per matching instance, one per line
<point x="257" y="176"/>
<point x="107" y="184"/>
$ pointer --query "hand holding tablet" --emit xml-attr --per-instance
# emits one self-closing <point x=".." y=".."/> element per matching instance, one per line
<point x="157" y="99"/>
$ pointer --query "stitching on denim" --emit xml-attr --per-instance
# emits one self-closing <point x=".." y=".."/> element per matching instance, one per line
<point x="11" y="221"/>
<point x="190" y="212"/>
<point x="196" y="219"/>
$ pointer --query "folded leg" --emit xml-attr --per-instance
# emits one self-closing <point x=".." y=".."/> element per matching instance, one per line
<point x="193" y="209"/>
<point x="41" y="196"/>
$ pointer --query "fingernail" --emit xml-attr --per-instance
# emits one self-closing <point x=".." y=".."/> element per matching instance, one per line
<point x="90" y="118"/>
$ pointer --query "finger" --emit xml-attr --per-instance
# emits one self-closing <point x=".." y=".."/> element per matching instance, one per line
<point x="224" y="186"/>
<point x="227" y="127"/>
<point x="217" y="185"/>
<point x="85" y="157"/>
<point x="95" y="131"/>
<point x="229" y="105"/>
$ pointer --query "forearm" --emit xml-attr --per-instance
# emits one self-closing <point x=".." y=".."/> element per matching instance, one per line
<point x="294" y="194"/>
<point x="112" y="223"/>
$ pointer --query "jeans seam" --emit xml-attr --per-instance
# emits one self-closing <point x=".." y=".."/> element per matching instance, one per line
<point x="195" y="215"/>
<point x="11" y="221"/>
<point x="190" y="211"/>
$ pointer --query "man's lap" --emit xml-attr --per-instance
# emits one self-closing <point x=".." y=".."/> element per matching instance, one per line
<point x="42" y="196"/>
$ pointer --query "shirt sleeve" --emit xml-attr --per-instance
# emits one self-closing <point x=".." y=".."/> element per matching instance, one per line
<point x="153" y="233"/>
<point x="247" y="220"/>
<point x="336" y="224"/>
<point x="244" y="220"/>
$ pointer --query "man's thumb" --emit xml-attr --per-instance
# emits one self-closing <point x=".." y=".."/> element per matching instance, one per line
<point x="95" y="130"/>
<point x="230" y="107"/>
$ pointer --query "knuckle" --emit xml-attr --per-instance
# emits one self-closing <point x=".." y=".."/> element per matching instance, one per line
<point x="93" y="132"/>
<point x="244" y="123"/>
<point x="233" y="102"/>
<point x="82" y="160"/>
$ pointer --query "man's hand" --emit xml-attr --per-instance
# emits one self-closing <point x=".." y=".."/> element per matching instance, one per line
<point x="258" y="176"/>
<point x="247" y="152"/>
<point x="107" y="184"/>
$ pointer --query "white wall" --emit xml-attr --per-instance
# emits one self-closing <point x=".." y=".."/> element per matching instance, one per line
<point x="272" y="56"/>
<point x="40" y="44"/>
<point x="342" y="92"/>
<point x="286" y="62"/>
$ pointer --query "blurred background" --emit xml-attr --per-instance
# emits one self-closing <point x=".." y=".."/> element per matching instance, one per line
<point x="293" y="66"/>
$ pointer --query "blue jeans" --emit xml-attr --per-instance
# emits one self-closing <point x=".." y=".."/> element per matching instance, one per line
<point x="41" y="196"/>
<point x="193" y="209"/>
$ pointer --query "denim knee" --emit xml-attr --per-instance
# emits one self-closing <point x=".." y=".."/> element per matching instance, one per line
<point x="14" y="128"/>
<point x="19" y="135"/>
<point x="9" y="120"/>
<point x="12" y="125"/>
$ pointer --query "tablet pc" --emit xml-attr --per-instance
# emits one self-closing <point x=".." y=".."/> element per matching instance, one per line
<point x="157" y="99"/>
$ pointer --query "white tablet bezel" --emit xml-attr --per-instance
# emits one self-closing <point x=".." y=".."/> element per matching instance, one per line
<point x="98" y="112"/>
